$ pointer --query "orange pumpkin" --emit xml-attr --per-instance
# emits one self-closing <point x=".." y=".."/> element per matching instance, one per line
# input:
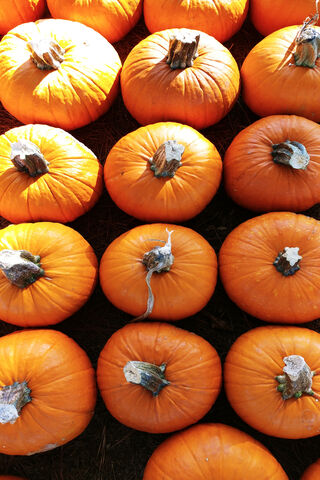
<point x="312" y="472"/>
<point x="269" y="266"/>
<point x="47" y="391"/>
<point x="274" y="164"/>
<point x="19" y="11"/>
<point x="212" y="451"/>
<point x="48" y="271"/>
<point x="180" y="75"/>
<point x="182" y="261"/>
<point x="163" y="172"/>
<point x="66" y="73"/>
<point x="10" y="477"/>
<point x="46" y="174"/>
<point x="146" y="370"/>
<point x="272" y="380"/>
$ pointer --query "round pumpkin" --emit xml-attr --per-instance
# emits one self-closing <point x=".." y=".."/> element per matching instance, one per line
<point x="212" y="451"/>
<point x="47" y="272"/>
<point x="66" y="73"/>
<point x="269" y="266"/>
<point x="312" y="472"/>
<point x="163" y="172"/>
<point x="274" y="164"/>
<point x="146" y="370"/>
<point x="221" y="18"/>
<point x="46" y="174"/>
<point x="160" y="271"/>
<point x="19" y="11"/>
<point x="180" y="75"/>
<point x="272" y="380"/>
<point x="47" y="390"/>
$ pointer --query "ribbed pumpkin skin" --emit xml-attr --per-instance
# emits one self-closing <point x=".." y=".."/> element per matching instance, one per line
<point x="221" y="19"/>
<point x="273" y="84"/>
<point x="212" y="451"/>
<point x="112" y="18"/>
<point x="198" y="96"/>
<point x="14" y="13"/>
<point x="252" y="281"/>
<point x="312" y="472"/>
<point x="63" y="391"/>
<point x="179" y="293"/>
<point x="133" y="186"/>
<point x="252" y="364"/>
<point x="255" y="181"/>
<point x="70" y="188"/>
<point x="192" y="367"/>
<point x="70" y="267"/>
<point x="83" y="87"/>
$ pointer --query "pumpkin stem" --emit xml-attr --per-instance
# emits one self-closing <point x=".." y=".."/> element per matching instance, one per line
<point x="291" y="153"/>
<point x="287" y="261"/>
<point x="26" y="157"/>
<point x="297" y="378"/>
<point x="147" y="375"/>
<point x="307" y="44"/>
<point x="20" y="267"/>
<point x="183" y="48"/>
<point x="46" y="53"/>
<point x="12" y="399"/>
<point x="167" y="159"/>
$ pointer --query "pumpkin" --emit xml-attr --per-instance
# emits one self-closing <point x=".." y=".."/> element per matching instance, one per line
<point x="212" y="451"/>
<point x="112" y="18"/>
<point x="46" y="174"/>
<point x="274" y="164"/>
<point x="163" y="172"/>
<point x="180" y="75"/>
<point x="269" y="266"/>
<point x="47" y="390"/>
<point x="220" y="19"/>
<point x="312" y="472"/>
<point x="281" y="74"/>
<point x="10" y="477"/>
<point x="66" y="73"/>
<point x="182" y="261"/>
<point x="47" y="272"/>
<point x="272" y="380"/>
<point x="19" y="11"/>
<point x="158" y="378"/>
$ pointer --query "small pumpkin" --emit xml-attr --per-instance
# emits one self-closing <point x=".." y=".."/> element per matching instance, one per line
<point x="272" y="380"/>
<point x="47" y="272"/>
<point x="163" y="172"/>
<point x="47" y="391"/>
<point x="312" y="472"/>
<point x="160" y="271"/>
<point x="212" y="451"/>
<point x="19" y="11"/>
<point x="180" y="75"/>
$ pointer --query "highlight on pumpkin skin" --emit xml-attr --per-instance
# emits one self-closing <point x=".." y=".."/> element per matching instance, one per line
<point x="20" y="11"/>
<point x="312" y="472"/>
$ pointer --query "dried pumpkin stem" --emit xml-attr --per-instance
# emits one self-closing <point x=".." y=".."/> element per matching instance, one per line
<point x="20" y="267"/>
<point x="167" y="159"/>
<point x="26" y="157"/>
<point x="46" y="53"/>
<point x="291" y="153"/>
<point x="307" y="44"/>
<point x="147" y="375"/>
<point x="287" y="261"/>
<point x="183" y="49"/>
<point x="12" y="399"/>
<point x="297" y="378"/>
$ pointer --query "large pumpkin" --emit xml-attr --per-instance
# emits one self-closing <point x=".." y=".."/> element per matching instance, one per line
<point x="180" y="75"/>
<point x="269" y="266"/>
<point x="48" y="271"/>
<point x="66" y="73"/>
<point x="274" y="164"/>
<point x="212" y="451"/>
<point x="272" y="380"/>
<point x="19" y="11"/>
<point x="47" y="391"/>
<point x="312" y="472"/>
<point x="146" y="370"/>
<point x="163" y="172"/>
<point x="159" y="271"/>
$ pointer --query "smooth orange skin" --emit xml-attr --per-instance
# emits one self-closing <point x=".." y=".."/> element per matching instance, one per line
<point x="193" y="369"/>
<point x="179" y="293"/>
<point x="221" y="19"/>
<point x="70" y="267"/>
<point x="273" y="84"/>
<point x="133" y="186"/>
<point x="112" y="18"/>
<point x="77" y="93"/>
<point x="252" y="364"/>
<point x="72" y="186"/>
<point x="63" y="390"/>
<point x="15" y="12"/>
<point x="252" y="281"/>
<point x="312" y="472"/>
<point x="198" y="96"/>
<point x="255" y="181"/>
<point x="212" y="451"/>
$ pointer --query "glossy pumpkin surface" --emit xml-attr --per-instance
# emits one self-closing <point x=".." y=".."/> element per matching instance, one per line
<point x="19" y="11"/>
<point x="312" y="472"/>
<point x="212" y="451"/>
<point x="135" y="188"/>
<point x="252" y="364"/>
<point x="63" y="393"/>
